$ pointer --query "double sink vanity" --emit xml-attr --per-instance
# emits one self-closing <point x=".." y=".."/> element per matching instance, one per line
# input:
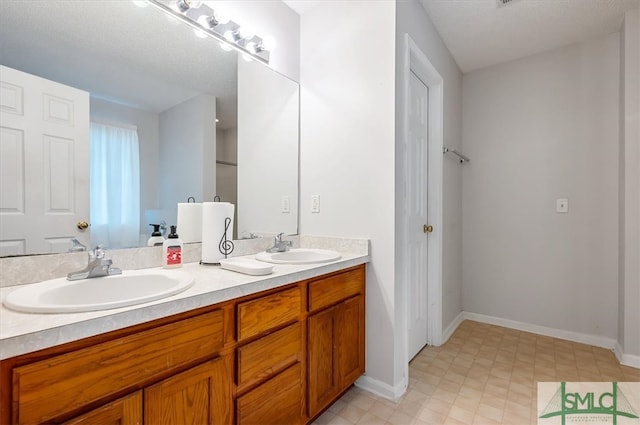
<point x="227" y="348"/>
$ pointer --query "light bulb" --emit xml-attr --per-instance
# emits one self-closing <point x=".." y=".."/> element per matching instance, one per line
<point x="199" y="33"/>
<point x="230" y="35"/>
<point x="245" y="33"/>
<point x="221" y="17"/>
<point x="181" y="5"/>
<point x="251" y="46"/>
<point x="269" y="43"/>
<point x="207" y="21"/>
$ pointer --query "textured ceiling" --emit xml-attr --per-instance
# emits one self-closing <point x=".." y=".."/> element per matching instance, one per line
<point x="479" y="33"/>
<point x="118" y="52"/>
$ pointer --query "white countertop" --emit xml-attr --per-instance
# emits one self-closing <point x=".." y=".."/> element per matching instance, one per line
<point x="22" y="333"/>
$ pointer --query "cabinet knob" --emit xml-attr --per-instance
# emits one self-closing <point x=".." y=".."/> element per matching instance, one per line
<point x="82" y="225"/>
<point x="427" y="228"/>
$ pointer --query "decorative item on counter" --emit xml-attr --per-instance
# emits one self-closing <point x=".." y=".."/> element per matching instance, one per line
<point x="226" y="245"/>
<point x="172" y="250"/>
<point x="217" y="226"/>
<point x="190" y="220"/>
<point x="156" y="238"/>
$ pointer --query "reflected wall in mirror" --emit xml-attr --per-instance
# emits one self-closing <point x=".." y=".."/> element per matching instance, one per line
<point x="141" y="70"/>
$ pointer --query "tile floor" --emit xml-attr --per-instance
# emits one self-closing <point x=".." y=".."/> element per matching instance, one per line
<point x="485" y="375"/>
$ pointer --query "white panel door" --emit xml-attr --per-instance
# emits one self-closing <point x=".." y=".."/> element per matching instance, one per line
<point x="416" y="161"/>
<point x="44" y="164"/>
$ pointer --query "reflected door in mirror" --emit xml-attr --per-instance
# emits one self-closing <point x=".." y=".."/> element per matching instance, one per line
<point x="44" y="154"/>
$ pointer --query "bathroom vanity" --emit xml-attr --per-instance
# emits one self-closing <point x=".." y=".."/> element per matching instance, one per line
<point x="280" y="354"/>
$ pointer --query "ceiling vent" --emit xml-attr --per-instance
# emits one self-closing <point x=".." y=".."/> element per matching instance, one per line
<point x="502" y="3"/>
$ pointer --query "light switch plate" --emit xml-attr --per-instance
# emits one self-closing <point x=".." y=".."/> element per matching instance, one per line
<point x="285" y="208"/>
<point x="562" y="205"/>
<point x="315" y="203"/>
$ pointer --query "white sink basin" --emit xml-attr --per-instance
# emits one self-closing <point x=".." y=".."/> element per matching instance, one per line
<point x="100" y="293"/>
<point x="299" y="256"/>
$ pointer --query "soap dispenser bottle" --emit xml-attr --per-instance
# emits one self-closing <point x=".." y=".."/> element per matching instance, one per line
<point x="156" y="238"/>
<point x="172" y="250"/>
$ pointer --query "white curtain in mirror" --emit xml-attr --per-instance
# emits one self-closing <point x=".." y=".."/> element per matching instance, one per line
<point x="115" y="186"/>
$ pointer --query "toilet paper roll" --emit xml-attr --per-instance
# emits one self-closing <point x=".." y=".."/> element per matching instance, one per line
<point x="190" y="222"/>
<point x="213" y="220"/>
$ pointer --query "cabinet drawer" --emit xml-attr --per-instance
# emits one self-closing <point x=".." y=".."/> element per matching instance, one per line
<point x="330" y="290"/>
<point x="276" y="402"/>
<point x="268" y="312"/>
<point x="273" y="352"/>
<point x="126" y="410"/>
<point x="49" y="388"/>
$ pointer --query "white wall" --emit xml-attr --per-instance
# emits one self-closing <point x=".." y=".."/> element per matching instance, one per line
<point x="537" y="129"/>
<point x="187" y="153"/>
<point x="148" y="139"/>
<point x="347" y="81"/>
<point x="629" y="190"/>
<point x="413" y="19"/>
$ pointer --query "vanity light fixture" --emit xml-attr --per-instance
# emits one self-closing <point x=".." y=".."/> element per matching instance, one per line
<point x="205" y="21"/>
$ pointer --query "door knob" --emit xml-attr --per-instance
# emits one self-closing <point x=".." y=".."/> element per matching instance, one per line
<point x="82" y="225"/>
<point x="427" y="228"/>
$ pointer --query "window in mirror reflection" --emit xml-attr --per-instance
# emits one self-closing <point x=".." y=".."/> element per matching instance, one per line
<point x="114" y="176"/>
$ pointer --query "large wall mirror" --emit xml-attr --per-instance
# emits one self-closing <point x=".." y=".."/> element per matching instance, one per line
<point x="208" y="122"/>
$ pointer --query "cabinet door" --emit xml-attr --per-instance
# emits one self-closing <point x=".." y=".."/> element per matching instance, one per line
<point x="350" y="340"/>
<point x="323" y="379"/>
<point x="278" y="401"/>
<point x="198" y="396"/>
<point x="124" y="411"/>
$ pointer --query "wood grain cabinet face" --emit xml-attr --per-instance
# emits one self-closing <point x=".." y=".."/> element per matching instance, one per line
<point x="124" y="411"/>
<point x="335" y="346"/>
<point x="322" y="378"/>
<point x="189" y="398"/>
<point x="268" y="312"/>
<point x="276" y="402"/>
<point x="261" y="358"/>
<point x="87" y="375"/>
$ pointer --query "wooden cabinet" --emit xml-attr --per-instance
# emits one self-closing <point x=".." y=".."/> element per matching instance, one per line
<point x="124" y="411"/>
<point x="335" y="347"/>
<point x="269" y="374"/>
<point x="276" y="402"/>
<point x="190" y="397"/>
<point x="277" y="357"/>
<point x="86" y="376"/>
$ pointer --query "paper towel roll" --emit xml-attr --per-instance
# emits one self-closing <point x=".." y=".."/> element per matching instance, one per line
<point x="213" y="218"/>
<point x="190" y="222"/>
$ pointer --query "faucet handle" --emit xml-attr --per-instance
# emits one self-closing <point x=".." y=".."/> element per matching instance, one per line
<point x="97" y="253"/>
<point x="279" y="236"/>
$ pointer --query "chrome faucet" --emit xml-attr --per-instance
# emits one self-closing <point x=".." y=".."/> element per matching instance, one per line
<point x="97" y="266"/>
<point x="280" y="245"/>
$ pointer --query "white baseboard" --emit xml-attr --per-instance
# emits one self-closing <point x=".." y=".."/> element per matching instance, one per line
<point x="598" y="341"/>
<point x="451" y="328"/>
<point x="626" y="359"/>
<point x="380" y="388"/>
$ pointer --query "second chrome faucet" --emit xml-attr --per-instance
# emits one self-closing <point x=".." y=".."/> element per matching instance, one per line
<point x="280" y="245"/>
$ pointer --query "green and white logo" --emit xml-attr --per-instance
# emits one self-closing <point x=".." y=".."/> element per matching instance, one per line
<point x="616" y="403"/>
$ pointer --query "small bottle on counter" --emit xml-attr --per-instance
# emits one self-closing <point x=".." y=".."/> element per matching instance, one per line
<point x="172" y="250"/>
<point x="156" y="238"/>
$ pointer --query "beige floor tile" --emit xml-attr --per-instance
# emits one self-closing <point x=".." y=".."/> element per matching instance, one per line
<point x="352" y="413"/>
<point x="484" y="375"/>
